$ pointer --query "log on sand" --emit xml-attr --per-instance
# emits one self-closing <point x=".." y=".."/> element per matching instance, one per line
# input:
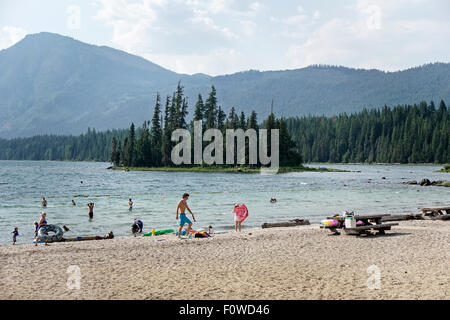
<point x="293" y="223"/>
<point x="106" y="236"/>
<point x="400" y="217"/>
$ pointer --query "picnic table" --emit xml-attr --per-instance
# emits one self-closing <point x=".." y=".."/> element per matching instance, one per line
<point x="369" y="222"/>
<point x="437" y="212"/>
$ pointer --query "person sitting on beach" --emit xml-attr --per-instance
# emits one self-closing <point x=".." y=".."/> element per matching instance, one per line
<point x="91" y="210"/>
<point x="73" y="202"/>
<point x="41" y="223"/>
<point x="210" y="230"/>
<point x="44" y="202"/>
<point x="182" y="206"/>
<point x="15" y="234"/>
<point x="130" y="205"/>
<point x="137" y="227"/>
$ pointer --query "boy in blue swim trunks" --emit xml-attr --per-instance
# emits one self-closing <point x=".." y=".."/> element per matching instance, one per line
<point x="182" y="206"/>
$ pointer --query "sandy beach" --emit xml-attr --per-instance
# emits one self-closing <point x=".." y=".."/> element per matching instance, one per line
<point x="302" y="262"/>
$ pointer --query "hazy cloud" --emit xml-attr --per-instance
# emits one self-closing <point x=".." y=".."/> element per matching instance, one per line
<point x="225" y="36"/>
<point x="10" y="35"/>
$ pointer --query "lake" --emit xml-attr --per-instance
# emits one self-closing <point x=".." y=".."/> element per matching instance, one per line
<point x="310" y="195"/>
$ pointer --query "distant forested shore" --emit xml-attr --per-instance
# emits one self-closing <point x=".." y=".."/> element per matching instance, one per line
<point x="418" y="133"/>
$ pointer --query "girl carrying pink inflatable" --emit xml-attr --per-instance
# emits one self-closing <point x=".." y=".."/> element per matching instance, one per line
<point x="240" y="214"/>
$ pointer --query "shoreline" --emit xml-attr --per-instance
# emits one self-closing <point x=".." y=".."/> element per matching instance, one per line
<point x="224" y="169"/>
<point x="302" y="262"/>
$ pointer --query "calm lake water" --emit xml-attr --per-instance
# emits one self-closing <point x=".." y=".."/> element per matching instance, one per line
<point x="308" y="195"/>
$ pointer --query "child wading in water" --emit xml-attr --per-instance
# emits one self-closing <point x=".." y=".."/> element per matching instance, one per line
<point x="130" y="205"/>
<point x="15" y="234"/>
<point x="91" y="210"/>
<point x="182" y="206"/>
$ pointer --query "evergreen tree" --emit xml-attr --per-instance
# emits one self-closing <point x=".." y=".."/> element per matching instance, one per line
<point x="167" y="134"/>
<point x="211" y="109"/>
<point x="156" y="135"/>
<point x="113" y="151"/>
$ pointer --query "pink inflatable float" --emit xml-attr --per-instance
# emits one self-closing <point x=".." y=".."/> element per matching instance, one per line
<point x="241" y="212"/>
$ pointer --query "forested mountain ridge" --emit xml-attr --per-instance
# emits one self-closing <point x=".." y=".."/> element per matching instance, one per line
<point x="51" y="84"/>
<point x="418" y="133"/>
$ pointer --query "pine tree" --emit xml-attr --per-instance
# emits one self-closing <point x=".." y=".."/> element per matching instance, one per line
<point x="113" y="151"/>
<point x="252" y="121"/>
<point x="211" y="109"/>
<point x="199" y="109"/>
<point x="156" y="134"/>
<point x="221" y="116"/>
<point x="167" y="134"/>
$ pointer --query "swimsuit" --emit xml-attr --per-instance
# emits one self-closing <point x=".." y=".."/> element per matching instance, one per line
<point x="184" y="219"/>
<point x="43" y="223"/>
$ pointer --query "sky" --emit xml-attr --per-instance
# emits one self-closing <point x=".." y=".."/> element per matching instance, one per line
<point x="227" y="36"/>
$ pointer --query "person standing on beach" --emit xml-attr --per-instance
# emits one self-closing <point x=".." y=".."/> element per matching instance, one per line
<point x="182" y="206"/>
<point x="240" y="214"/>
<point x="130" y="205"/>
<point x="36" y="228"/>
<point x="91" y="210"/>
<point x="44" y="202"/>
<point x="41" y="223"/>
<point x="237" y="219"/>
<point x="15" y="234"/>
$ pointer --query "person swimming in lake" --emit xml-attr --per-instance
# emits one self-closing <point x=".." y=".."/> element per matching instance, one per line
<point x="130" y="205"/>
<point x="15" y="234"/>
<point x="73" y="202"/>
<point x="273" y="200"/>
<point x="182" y="206"/>
<point x="44" y="202"/>
<point x="42" y="222"/>
<point x="91" y="210"/>
<point x="137" y="227"/>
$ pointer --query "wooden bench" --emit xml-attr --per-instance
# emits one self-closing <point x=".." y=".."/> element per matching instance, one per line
<point x="436" y="211"/>
<point x="381" y="228"/>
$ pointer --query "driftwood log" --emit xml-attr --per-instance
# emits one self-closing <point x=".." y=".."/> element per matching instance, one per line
<point x="401" y="217"/>
<point x="292" y="223"/>
<point x="106" y="236"/>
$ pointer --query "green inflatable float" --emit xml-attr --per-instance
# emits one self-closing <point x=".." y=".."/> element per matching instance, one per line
<point x="159" y="232"/>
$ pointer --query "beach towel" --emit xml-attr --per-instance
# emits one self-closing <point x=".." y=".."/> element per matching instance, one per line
<point x="241" y="212"/>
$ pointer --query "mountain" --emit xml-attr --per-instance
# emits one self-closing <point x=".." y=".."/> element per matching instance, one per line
<point x="55" y="84"/>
